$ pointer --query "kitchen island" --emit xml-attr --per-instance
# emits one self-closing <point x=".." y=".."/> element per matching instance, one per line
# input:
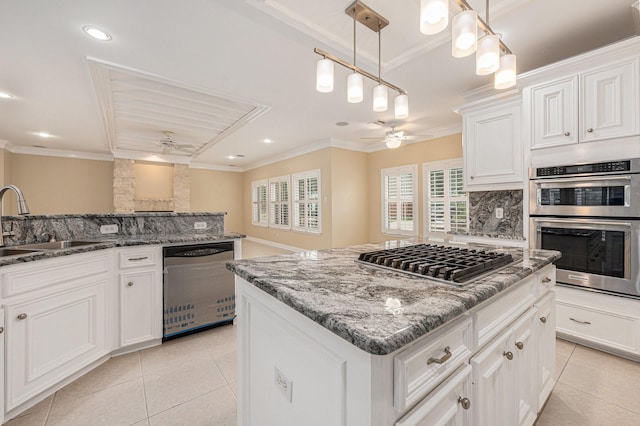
<point x="325" y="340"/>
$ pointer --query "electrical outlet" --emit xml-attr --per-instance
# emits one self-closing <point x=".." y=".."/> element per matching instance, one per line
<point x="200" y="225"/>
<point x="109" y="229"/>
<point x="283" y="383"/>
<point x="499" y="212"/>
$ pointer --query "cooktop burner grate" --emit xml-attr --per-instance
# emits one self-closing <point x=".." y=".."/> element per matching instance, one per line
<point x="451" y="264"/>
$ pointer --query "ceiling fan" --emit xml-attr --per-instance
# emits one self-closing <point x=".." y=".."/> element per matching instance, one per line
<point x="169" y="146"/>
<point x="394" y="138"/>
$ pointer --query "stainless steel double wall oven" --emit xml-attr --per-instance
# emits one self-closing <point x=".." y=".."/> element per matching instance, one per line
<point x="590" y="213"/>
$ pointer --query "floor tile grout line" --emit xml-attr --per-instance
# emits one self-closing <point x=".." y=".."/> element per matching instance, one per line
<point x="600" y="399"/>
<point x="46" y="419"/>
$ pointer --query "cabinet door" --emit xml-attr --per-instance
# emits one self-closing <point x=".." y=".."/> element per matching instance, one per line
<point x="493" y="149"/>
<point x="140" y="307"/>
<point x="52" y="337"/>
<point x="609" y="100"/>
<point x="492" y="383"/>
<point x="554" y="112"/>
<point x="2" y="364"/>
<point x="448" y="404"/>
<point x="525" y="359"/>
<point x="546" y="323"/>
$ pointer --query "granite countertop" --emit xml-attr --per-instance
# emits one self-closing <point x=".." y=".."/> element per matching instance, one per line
<point x="110" y="241"/>
<point x="353" y="300"/>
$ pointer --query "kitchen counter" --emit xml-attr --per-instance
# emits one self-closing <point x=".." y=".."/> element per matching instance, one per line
<point x="110" y="241"/>
<point x="351" y="300"/>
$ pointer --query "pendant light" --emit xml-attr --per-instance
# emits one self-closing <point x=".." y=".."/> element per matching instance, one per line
<point x="434" y="16"/>
<point x="355" y="88"/>
<point x="324" y="76"/>
<point x="506" y="76"/>
<point x="488" y="54"/>
<point x="401" y="104"/>
<point x="464" y="34"/>
<point x="380" y="101"/>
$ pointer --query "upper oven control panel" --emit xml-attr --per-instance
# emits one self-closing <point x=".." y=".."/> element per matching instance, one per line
<point x="622" y="166"/>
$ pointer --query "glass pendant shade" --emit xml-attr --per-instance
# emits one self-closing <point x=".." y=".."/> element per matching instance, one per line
<point x="434" y="16"/>
<point x="401" y="104"/>
<point x="488" y="55"/>
<point x="393" y="143"/>
<point x="506" y="76"/>
<point x="354" y="88"/>
<point x="324" y="76"/>
<point x="464" y="34"/>
<point x="380" y="102"/>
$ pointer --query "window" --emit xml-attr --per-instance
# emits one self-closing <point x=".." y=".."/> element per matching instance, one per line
<point x="446" y="205"/>
<point x="279" y="202"/>
<point x="307" y="200"/>
<point x="259" y="203"/>
<point x="399" y="200"/>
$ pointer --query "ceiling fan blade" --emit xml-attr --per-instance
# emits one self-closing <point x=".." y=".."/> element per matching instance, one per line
<point x="417" y="137"/>
<point x="379" y="138"/>
<point x="166" y="150"/>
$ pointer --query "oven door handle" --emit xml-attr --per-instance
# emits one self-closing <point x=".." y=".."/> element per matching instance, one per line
<point x="570" y="182"/>
<point x="609" y="225"/>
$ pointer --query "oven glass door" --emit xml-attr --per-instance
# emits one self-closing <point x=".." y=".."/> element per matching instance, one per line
<point x="598" y="254"/>
<point x="586" y="196"/>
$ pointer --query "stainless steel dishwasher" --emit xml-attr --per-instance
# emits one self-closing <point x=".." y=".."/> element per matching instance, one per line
<point x="199" y="291"/>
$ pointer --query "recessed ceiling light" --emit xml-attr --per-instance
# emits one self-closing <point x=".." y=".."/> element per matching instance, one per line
<point x="44" y="134"/>
<point x="267" y="141"/>
<point x="231" y="157"/>
<point x="5" y="95"/>
<point x="97" y="33"/>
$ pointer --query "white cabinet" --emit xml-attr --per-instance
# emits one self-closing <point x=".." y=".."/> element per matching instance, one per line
<point x="140" y="287"/>
<point x="2" y="365"/>
<point x="55" y="331"/>
<point x="608" y="323"/>
<point x="492" y="147"/>
<point x="546" y="321"/>
<point x="448" y="405"/>
<point x="595" y="105"/>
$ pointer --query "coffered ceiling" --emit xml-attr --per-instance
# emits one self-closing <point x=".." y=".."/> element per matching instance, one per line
<point x="224" y="75"/>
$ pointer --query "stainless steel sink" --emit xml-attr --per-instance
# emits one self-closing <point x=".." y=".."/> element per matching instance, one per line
<point x="57" y="245"/>
<point x="10" y="251"/>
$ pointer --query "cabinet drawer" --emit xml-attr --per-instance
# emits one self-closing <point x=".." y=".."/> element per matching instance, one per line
<point x="51" y="272"/>
<point x="546" y="280"/>
<point x="143" y="256"/>
<point x="607" y="328"/>
<point x="419" y="369"/>
<point x="496" y="316"/>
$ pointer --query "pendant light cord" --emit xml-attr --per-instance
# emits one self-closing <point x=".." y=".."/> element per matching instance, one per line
<point x="487" y="12"/>
<point x="354" y="34"/>
<point x="379" y="51"/>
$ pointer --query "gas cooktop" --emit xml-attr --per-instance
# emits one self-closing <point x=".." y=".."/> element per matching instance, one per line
<point x="454" y="265"/>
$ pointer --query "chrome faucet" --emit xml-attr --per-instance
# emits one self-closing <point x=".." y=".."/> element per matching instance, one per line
<point x="22" y="208"/>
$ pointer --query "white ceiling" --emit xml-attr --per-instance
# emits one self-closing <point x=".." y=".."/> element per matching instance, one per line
<point x="258" y="53"/>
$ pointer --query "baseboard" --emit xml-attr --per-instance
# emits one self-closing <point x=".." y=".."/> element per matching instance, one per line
<point x="276" y="245"/>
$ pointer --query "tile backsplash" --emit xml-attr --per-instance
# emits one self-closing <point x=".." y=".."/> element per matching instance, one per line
<point x="482" y="213"/>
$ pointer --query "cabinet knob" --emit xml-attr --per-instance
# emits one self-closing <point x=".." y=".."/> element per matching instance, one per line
<point x="546" y="280"/>
<point x="471" y="177"/>
<point x="465" y="402"/>
<point x="22" y="316"/>
<point x="509" y="355"/>
<point x="590" y="130"/>
<point x="1" y="330"/>
<point x="543" y="320"/>
<point x="520" y="345"/>
<point x="445" y="357"/>
<point x="130" y="283"/>
<point x="567" y="133"/>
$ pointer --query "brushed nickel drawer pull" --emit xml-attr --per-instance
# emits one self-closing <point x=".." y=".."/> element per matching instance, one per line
<point x="509" y="355"/>
<point x="546" y="280"/>
<point x="590" y="130"/>
<point x="520" y="345"/>
<point x="22" y="316"/>
<point x="137" y="259"/>
<point x="464" y="402"/>
<point x="543" y="320"/>
<point x="1" y="330"/>
<point x="567" y="133"/>
<point x="580" y="322"/>
<point x="130" y="283"/>
<point x="445" y="357"/>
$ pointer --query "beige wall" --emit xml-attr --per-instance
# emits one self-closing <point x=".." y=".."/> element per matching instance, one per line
<point x="54" y="185"/>
<point x="9" y="205"/>
<point x="153" y="181"/>
<point x="316" y="160"/>
<point x="218" y="191"/>
<point x="432" y="150"/>
<point x="350" y="204"/>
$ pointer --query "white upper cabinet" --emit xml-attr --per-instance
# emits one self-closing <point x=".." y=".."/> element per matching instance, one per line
<point x="492" y="147"/>
<point x="591" y="106"/>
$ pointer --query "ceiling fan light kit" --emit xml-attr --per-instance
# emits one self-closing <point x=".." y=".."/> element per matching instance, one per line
<point x="355" y="84"/>
<point x="464" y="40"/>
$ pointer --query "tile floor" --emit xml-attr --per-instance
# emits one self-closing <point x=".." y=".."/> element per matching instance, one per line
<point x="192" y="381"/>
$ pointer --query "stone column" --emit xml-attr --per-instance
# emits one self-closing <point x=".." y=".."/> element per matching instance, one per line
<point x="124" y="190"/>
<point x="181" y="188"/>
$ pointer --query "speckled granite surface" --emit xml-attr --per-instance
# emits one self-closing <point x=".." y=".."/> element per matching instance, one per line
<point x="352" y="300"/>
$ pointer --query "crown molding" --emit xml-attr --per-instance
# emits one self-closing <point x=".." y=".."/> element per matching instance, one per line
<point x="145" y="156"/>
<point x="204" y="166"/>
<point x="48" y="152"/>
